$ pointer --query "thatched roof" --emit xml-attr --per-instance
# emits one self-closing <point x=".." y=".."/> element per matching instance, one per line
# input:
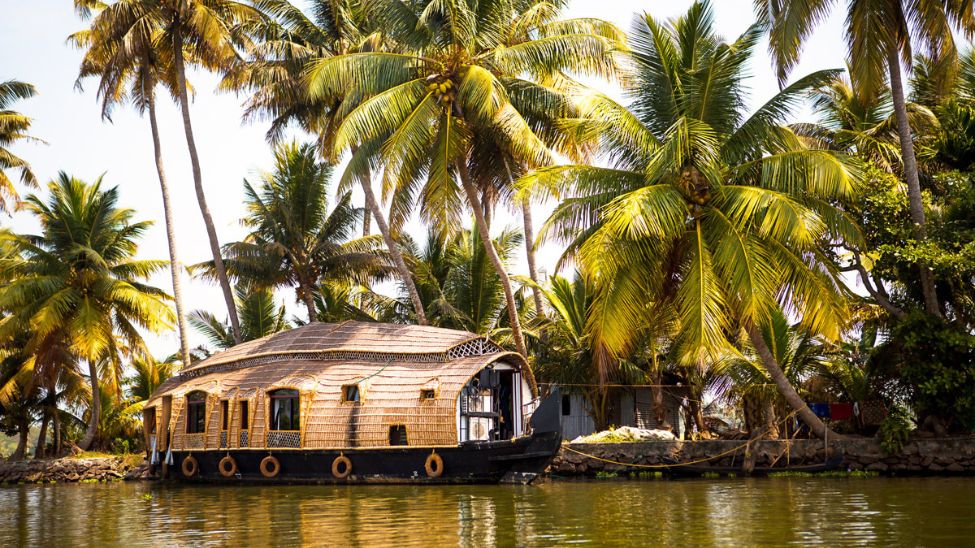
<point x="346" y="337"/>
<point x="390" y="363"/>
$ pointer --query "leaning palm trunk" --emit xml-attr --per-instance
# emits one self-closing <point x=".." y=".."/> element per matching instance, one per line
<point x="911" y="174"/>
<point x="221" y="272"/>
<point x="96" y="407"/>
<point x="372" y="206"/>
<point x="492" y="253"/>
<point x="785" y="387"/>
<point x="174" y="264"/>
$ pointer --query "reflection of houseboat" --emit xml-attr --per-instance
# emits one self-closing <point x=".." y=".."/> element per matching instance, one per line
<point x="355" y="402"/>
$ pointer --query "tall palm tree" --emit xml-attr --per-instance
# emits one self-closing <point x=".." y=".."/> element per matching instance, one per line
<point x="705" y="212"/>
<point x="13" y="128"/>
<point x="295" y="240"/>
<point x="259" y="313"/>
<point x="122" y="50"/>
<point x="206" y="33"/>
<point x="460" y="69"/>
<point x="275" y="78"/>
<point x="881" y="34"/>
<point x="79" y="285"/>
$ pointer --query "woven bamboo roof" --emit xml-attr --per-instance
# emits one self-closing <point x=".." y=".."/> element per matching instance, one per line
<point x="347" y="336"/>
<point x="391" y="365"/>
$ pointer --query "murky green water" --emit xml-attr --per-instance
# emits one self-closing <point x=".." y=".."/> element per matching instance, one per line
<point x="881" y="512"/>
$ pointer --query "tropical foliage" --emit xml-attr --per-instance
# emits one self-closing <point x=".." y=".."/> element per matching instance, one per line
<point x="715" y="239"/>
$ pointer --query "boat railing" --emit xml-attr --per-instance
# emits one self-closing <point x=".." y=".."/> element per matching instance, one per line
<point x="527" y="410"/>
<point x="284" y="438"/>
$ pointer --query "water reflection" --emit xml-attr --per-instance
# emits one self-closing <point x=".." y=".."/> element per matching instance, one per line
<point x="700" y="512"/>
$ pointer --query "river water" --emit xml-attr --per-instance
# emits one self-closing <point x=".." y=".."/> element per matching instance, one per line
<point x="707" y="512"/>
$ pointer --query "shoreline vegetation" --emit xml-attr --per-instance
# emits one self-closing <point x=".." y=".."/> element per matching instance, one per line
<point x="758" y="276"/>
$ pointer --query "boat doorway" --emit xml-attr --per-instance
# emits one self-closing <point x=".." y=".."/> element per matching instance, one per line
<point x="490" y="405"/>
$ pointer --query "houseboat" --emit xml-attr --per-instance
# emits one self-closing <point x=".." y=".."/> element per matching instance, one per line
<point x="355" y="402"/>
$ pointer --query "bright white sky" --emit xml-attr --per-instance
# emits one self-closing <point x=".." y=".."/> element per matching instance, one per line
<point x="32" y="42"/>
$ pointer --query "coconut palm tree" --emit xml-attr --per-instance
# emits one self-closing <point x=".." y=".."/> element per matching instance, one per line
<point x="707" y="215"/>
<point x="79" y="286"/>
<point x="13" y="128"/>
<point x="295" y="240"/>
<point x="862" y="121"/>
<point x="122" y="50"/>
<point x="459" y="285"/>
<point x="259" y="313"/>
<point x="460" y="69"/>
<point x="275" y="80"/>
<point x="205" y="33"/>
<point x="881" y="34"/>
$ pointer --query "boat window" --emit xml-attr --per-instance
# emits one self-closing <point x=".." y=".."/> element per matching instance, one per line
<point x="566" y="405"/>
<point x="397" y="434"/>
<point x="224" y="411"/>
<point x="350" y="392"/>
<point x="428" y="394"/>
<point x="244" y="419"/>
<point x="284" y="409"/>
<point x="196" y="408"/>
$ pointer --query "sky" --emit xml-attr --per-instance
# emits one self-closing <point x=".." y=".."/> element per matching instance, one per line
<point x="33" y="49"/>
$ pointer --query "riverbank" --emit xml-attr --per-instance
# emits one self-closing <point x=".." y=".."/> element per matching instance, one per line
<point x="947" y="456"/>
<point x="74" y="469"/>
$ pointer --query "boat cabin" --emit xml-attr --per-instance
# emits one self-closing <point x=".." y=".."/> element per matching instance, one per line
<point x="352" y="385"/>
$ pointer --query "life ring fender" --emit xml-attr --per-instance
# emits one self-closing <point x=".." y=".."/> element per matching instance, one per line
<point x="270" y="466"/>
<point x="341" y="467"/>
<point x="190" y="466"/>
<point x="434" y="465"/>
<point x="227" y="466"/>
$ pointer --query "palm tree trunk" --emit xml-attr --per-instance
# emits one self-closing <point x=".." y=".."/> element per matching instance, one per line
<point x="529" y="229"/>
<point x="96" y="407"/>
<point x="57" y="431"/>
<point x="24" y="430"/>
<point x="228" y="294"/>
<point x="911" y="174"/>
<point x="42" y="435"/>
<point x="394" y="251"/>
<point x="785" y="387"/>
<point x="309" y="298"/>
<point x="771" y="426"/>
<point x="492" y="253"/>
<point x="367" y="223"/>
<point x="175" y="267"/>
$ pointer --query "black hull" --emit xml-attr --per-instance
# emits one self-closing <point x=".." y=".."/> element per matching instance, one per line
<point x="516" y="461"/>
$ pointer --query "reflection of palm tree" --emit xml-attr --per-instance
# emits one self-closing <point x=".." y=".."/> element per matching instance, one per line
<point x="708" y="213"/>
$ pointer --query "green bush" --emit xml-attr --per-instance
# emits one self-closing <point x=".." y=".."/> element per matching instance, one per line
<point x="934" y="362"/>
<point x="895" y="430"/>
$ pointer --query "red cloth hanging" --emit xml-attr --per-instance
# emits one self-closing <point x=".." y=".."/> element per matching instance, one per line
<point x="840" y="411"/>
